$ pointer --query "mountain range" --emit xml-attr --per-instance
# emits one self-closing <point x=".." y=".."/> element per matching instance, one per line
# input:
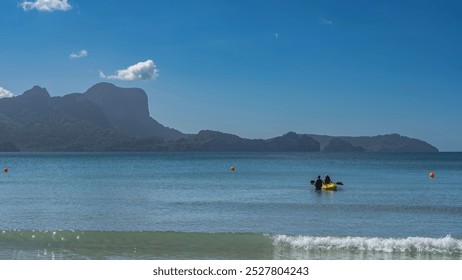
<point x="110" y="118"/>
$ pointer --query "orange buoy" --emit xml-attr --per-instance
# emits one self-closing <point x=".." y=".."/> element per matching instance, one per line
<point x="232" y="168"/>
<point x="432" y="175"/>
<point x="5" y="169"/>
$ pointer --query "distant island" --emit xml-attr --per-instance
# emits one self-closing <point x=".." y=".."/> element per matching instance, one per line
<point x="110" y="118"/>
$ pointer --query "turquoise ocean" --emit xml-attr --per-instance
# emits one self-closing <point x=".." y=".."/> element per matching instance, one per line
<point x="191" y="206"/>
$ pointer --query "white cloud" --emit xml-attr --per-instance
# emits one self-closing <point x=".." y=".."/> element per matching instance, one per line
<point x="146" y="70"/>
<point x="46" y="5"/>
<point x="276" y="35"/>
<point x="80" y="54"/>
<point x="326" y="21"/>
<point x="5" y="93"/>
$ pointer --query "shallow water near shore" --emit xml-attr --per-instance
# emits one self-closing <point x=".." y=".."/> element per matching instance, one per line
<point x="191" y="206"/>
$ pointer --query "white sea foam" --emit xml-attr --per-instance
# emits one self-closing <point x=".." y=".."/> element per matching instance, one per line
<point x="443" y="245"/>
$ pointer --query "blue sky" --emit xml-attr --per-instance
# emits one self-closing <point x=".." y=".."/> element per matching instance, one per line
<point x="255" y="68"/>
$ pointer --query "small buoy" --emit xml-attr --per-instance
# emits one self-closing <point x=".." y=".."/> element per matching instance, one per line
<point x="232" y="168"/>
<point x="5" y="169"/>
<point x="432" y="175"/>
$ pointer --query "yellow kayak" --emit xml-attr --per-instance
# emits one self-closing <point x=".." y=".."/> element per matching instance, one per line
<point x="329" y="187"/>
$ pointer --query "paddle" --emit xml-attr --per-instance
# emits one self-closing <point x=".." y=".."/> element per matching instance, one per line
<point x="338" y="183"/>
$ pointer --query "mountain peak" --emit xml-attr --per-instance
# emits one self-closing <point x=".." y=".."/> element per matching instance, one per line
<point x="121" y="103"/>
<point x="127" y="110"/>
<point x="37" y="93"/>
<point x="102" y="86"/>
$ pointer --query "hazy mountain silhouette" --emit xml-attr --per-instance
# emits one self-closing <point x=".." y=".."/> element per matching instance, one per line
<point x="127" y="111"/>
<point x="110" y="118"/>
<point x="380" y="143"/>
<point x="207" y="140"/>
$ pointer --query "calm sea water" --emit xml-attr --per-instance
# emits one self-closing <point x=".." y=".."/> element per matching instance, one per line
<point x="191" y="206"/>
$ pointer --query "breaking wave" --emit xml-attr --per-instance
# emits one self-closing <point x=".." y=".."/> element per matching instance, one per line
<point x="368" y="247"/>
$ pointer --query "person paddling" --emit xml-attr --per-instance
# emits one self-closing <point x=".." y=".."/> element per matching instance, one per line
<point x="327" y="180"/>
<point x="318" y="183"/>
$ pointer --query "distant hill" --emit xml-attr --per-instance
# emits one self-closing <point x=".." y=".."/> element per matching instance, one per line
<point x="381" y="143"/>
<point x="110" y="118"/>
<point x="208" y="140"/>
